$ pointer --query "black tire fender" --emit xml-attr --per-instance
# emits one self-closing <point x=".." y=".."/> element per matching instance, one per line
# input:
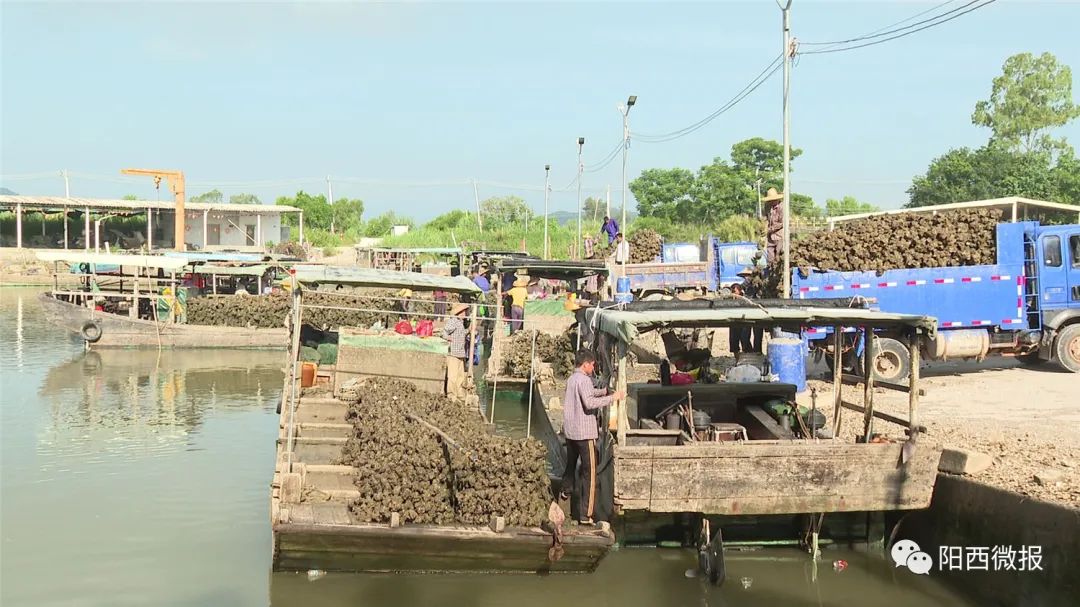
<point x="90" y="331"/>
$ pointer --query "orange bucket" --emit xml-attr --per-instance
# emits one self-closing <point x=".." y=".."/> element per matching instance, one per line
<point x="307" y="374"/>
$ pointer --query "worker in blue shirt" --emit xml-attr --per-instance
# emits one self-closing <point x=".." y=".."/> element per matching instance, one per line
<point x="610" y="227"/>
<point x="481" y="280"/>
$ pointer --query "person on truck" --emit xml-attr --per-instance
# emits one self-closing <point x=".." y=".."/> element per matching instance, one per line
<point x="517" y="295"/>
<point x="609" y="227"/>
<point x="622" y="250"/>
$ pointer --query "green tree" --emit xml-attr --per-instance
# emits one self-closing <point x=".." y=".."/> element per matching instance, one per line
<point x="1032" y="96"/>
<point x="847" y="205"/>
<point x="448" y="221"/>
<point x="347" y="214"/>
<point x="244" y="199"/>
<point x="213" y="197"/>
<point x="593" y="209"/>
<point x="130" y="197"/>
<point x="666" y="193"/>
<point x="380" y="225"/>
<point x="1066" y="178"/>
<point x="992" y="171"/>
<point x="317" y="213"/>
<point x="721" y="191"/>
<point x="505" y="210"/>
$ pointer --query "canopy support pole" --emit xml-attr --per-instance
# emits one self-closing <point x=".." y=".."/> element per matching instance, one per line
<point x="868" y="377"/>
<point x="205" y="231"/>
<point x="86" y="229"/>
<point x="838" y="375"/>
<point x="149" y="229"/>
<point x="65" y="228"/>
<point x="913" y="385"/>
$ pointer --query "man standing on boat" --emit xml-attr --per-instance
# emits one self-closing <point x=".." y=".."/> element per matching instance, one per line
<point x="454" y="332"/>
<point x="580" y="427"/>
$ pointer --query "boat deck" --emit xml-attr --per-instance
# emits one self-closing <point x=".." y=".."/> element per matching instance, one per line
<point x="313" y="528"/>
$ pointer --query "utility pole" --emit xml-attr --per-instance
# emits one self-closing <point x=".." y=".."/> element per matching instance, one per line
<point x="330" y="201"/>
<point x="580" y="171"/>
<point x="67" y="194"/>
<point x="547" y="194"/>
<point x="607" y="205"/>
<point x="786" y="8"/>
<point x="625" y="111"/>
<point x="476" y="195"/>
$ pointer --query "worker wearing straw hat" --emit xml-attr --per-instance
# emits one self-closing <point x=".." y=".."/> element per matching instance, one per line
<point x="454" y="332"/>
<point x="517" y="294"/>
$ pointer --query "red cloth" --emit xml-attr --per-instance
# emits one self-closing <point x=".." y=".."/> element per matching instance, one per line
<point x="681" y="379"/>
<point x="403" y="327"/>
<point x="425" y="328"/>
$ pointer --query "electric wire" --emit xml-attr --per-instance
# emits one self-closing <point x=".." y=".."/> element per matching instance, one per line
<point x="908" y="33"/>
<point x="881" y="32"/>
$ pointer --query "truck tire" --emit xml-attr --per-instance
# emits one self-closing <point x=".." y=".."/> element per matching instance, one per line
<point x="892" y="361"/>
<point x="1067" y="348"/>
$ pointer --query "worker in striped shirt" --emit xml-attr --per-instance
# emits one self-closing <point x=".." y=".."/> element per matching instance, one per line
<point x="581" y="403"/>
<point x="454" y="332"/>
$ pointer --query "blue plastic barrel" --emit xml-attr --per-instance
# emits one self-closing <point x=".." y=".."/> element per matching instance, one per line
<point x="787" y="359"/>
<point x="622" y="290"/>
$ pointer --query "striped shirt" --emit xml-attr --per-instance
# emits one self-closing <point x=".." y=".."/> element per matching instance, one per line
<point x="454" y="332"/>
<point x="579" y="403"/>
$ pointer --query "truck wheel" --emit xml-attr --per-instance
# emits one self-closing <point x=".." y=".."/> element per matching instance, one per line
<point x="892" y="361"/>
<point x="1067" y="350"/>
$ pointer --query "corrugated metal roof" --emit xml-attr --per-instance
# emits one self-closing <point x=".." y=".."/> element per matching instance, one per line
<point x="59" y="202"/>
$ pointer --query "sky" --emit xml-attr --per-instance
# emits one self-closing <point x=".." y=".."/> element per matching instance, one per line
<point x="404" y="105"/>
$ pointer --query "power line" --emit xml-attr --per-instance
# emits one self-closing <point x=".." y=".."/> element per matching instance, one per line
<point x="908" y="33"/>
<point x="881" y="32"/>
<point x="756" y="82"/>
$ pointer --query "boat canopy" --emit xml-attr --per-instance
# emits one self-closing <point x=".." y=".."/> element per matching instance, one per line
<point x="626" y="325"/>
<point x="209" y="256"/>
<point x="113" y="259"/>
<point x="216" y="270"/>
<point x="417" y="250"/>
<point x="370" y="277"/>
<point x="545" y="268"/>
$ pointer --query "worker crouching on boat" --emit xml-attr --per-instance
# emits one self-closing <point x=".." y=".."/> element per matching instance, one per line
<point x="581" y="403"/>
<point x="454" y="332"/>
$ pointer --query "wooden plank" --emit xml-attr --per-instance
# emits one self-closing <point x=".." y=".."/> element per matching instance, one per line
<point x="725" y="481"/>
<point x="878" y="414"/>
<point x="767" y="423"/>
<point x="855" y="380"/>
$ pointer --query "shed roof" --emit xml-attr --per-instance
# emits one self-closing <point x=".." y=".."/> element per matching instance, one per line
<point x="60" y="202"/>
<point x="1022" y="206"/>
<point x="626" y="325"/>
<point x="370" y="277"/>
<point x="113" y="259"/>
<point x="546" y="268"/>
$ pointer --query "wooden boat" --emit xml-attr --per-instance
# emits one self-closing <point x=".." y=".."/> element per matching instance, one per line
<point x="73" y="309"/>
<point x="312" y="527"/>
<point x="769" y="470"/>
<point x="311" y="523"/>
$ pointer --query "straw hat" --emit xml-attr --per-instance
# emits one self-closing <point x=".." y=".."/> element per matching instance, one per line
<point x="772" y="196"/>
<point x="522" y="282"/>
<point x="458" y="308"/>
<point x="745" y="272"/>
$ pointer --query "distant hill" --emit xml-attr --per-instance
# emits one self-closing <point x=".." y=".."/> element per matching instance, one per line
<point x="7" y="192"/>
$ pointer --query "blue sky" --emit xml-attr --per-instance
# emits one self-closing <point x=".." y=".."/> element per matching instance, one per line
<point x="402" y="104"/>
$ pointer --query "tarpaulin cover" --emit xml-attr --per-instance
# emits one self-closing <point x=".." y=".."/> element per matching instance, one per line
<point x="393" y="341"/>
<point x="627" y="325"/>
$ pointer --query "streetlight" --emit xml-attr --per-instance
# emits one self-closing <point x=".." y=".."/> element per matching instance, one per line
<point x="625" y="111"/>
<point x="580" y="170"/>
<point x="547" y="192"/>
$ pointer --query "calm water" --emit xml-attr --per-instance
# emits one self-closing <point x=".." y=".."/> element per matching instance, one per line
<point x="130" y="478"/>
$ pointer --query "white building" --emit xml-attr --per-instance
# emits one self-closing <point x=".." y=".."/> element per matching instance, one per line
<point x="207" y="226"/>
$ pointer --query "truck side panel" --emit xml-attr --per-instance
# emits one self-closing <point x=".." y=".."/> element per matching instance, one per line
<point x="959" y="297"/>
<point x="668" y="276"/>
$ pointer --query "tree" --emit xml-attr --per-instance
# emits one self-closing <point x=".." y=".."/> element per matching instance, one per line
<point x="347" y="214"/>
<point x="666" y="193"/>
<point x="1066" y="178"/>
<point x="448" y="221"/>
<point x="244" y="199"/>
<point x="593" y="209"/>
<point x="721" y="191"/>
<point x="316" y="211"/>
<point x="130" y="197"/>
<point x="1032" y="96"/>
<point x="213" y="197"/>
<point x="505" y="210"/>
<point x="847" y="205"/>
<point x="380" y="225"/>
<point x="991" y="171"/>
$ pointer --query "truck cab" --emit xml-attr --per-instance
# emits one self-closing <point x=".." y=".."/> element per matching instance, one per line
<point x="1057" y="285"/>
<point x="734" y="257"/>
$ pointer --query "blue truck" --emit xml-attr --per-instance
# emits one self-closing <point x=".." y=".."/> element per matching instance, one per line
<point x="709" y="267"/>
<point x="1026" y="305"/>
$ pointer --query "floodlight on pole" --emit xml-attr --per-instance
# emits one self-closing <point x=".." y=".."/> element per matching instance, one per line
<point x="625" y="111"/>
<point x="547" y="194"/>
<point x="580" y="171"/>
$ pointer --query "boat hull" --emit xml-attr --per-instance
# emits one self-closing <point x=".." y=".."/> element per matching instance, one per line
<point x="124" y="332"/>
